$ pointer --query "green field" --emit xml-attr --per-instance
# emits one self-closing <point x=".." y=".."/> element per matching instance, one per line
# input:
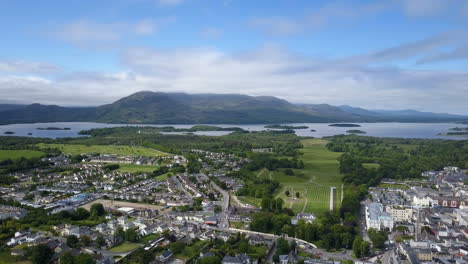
<point x="313" y="183"/>
<point x="148" y="238"/>
<point x="105" y="149"/>
<point x="395" y="186"/>
<point x="16" y="154"/>
<point x="136" y="168"/>
<point x="125" y="247"/>
<point x="371" y="165"/>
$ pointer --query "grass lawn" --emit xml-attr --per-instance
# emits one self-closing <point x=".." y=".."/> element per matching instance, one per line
<point x="395" y="186"/>
<point x="125" y="247"/>
<point x="136" y="168"/>
<point x="371" y="165"/>
<point x="192" y="250"/>
<point x="16" y="154"/>
<point x="250" y="200"/>
<point x="6" y="258"/>
<point x="148" y="238"/>
<point x="321" y="171"/>
<point x="105" y="149"/>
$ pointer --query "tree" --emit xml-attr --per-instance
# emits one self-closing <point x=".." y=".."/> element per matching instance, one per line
<point x="209" y="260"/>
<point x="177" y="247"/>
<point x="131" y="235"/>
<point x="357" y="246"/>
<point x="97" y="210"/>
<point x="365" y="248"/>
<point x="287" y="193"/>
<point x="67" y="258"/>
<point x="120" y="232"/>
<point x="41" y="254"/>
<point x="100" y="241"/>
<point x="72" y="241"/>
<point x="85" y="241"/>
<point x="266" y="204"/>
<point x="402" y="229"/>
<point x="84" y="259"/>
<point x="282" y="246"/>
<point x="80" y="214"/>
<point x="377" y="237"/>
<point x="297" y="194"/>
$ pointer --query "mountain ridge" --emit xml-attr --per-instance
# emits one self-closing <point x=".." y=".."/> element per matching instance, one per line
<point x="147" y="107"/>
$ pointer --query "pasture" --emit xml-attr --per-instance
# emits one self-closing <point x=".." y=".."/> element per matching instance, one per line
<point x="321" y="171"/>
<point x="16" y="154"/>
<point x="105" y="149"/>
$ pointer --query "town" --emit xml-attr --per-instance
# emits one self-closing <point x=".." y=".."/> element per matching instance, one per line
<point x="187" y="208"/>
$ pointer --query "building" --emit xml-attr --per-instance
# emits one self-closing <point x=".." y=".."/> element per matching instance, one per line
<point x="377" y="218"/>
<point x="400" y="213"/>
<point x="238" y="259"/>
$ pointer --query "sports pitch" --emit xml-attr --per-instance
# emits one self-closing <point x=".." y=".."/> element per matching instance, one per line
<point x="321" y="171"/>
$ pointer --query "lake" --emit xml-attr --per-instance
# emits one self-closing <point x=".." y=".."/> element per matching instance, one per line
<point x="396" y="130"/>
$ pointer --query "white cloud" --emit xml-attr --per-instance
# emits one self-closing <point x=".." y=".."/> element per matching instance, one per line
<point x="21" y="66"/>
<point x="317" y="18"/>
<point x="85" y="32"/>
<point x="267" y="71"/>
<point x="425" y="7"/>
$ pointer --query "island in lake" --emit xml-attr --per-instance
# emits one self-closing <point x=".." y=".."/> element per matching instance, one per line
<point x="459" y="129"/>
<point x="53" y="128"/>
<point x="165" y="129"/>
<point x="355" y="131"/>
<point x="285" y="127"/>
<point x="456" y="131"/>
<point x="344" y="125"/>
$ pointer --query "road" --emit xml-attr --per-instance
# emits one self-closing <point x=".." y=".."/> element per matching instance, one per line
<point x="224" y="215"/>
<point x="224" y="227"/>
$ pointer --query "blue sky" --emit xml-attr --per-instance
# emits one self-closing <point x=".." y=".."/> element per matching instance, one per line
<point x="392" y="54"/>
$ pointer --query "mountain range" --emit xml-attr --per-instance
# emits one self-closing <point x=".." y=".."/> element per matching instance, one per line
<point x="182" y="108"/>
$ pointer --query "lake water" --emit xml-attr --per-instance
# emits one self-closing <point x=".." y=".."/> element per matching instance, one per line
<point x="397" y="130"/>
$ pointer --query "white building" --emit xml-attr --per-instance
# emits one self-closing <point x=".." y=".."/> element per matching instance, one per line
<point x="377" y="218"/>
<point x="423" y="201"/>
<point x="400" y="213"/>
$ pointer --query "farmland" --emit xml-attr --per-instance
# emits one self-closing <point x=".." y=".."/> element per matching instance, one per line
<point x="16" y="154"/>
<point x="313" y="182"/>
<point x="105" y="149"/>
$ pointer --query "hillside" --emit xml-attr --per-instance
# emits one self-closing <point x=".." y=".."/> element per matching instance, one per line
<point x="182" y="108"/>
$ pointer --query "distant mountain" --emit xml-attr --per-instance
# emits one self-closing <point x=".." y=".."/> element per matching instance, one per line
<point x="173" y="108"/>
<point x="182" y="108"/>
<point x="408" y="115"/>
<point x="36" y="113"/>
<point x="358" y="111"/>
<point x="5" y="107"/>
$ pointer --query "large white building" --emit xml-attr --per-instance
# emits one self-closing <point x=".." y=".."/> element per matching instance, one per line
<point x="400" y="213"/>
<point x="377" y="218"/>
<point x="423" y="201"/>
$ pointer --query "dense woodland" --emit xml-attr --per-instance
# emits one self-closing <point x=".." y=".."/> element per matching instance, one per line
<point x="396" y="158"/>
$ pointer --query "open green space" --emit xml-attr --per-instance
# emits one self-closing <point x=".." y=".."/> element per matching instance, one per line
<point x="16" y="154"/>
<point x="371" y="165"/>
<point x="105" y="149"/>
<point x="321" y="171"/>
<point x="136" y="168"/>
<point x="395" y="186"/>
<point x="125" y="247"/>
<point x="148" y="238"/>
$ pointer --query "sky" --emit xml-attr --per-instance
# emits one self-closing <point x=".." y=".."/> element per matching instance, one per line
<point x="375" y="54"/>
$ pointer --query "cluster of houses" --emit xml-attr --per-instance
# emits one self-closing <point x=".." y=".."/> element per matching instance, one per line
<point x="432" y="217"/>
<point x="11" y="212"/>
